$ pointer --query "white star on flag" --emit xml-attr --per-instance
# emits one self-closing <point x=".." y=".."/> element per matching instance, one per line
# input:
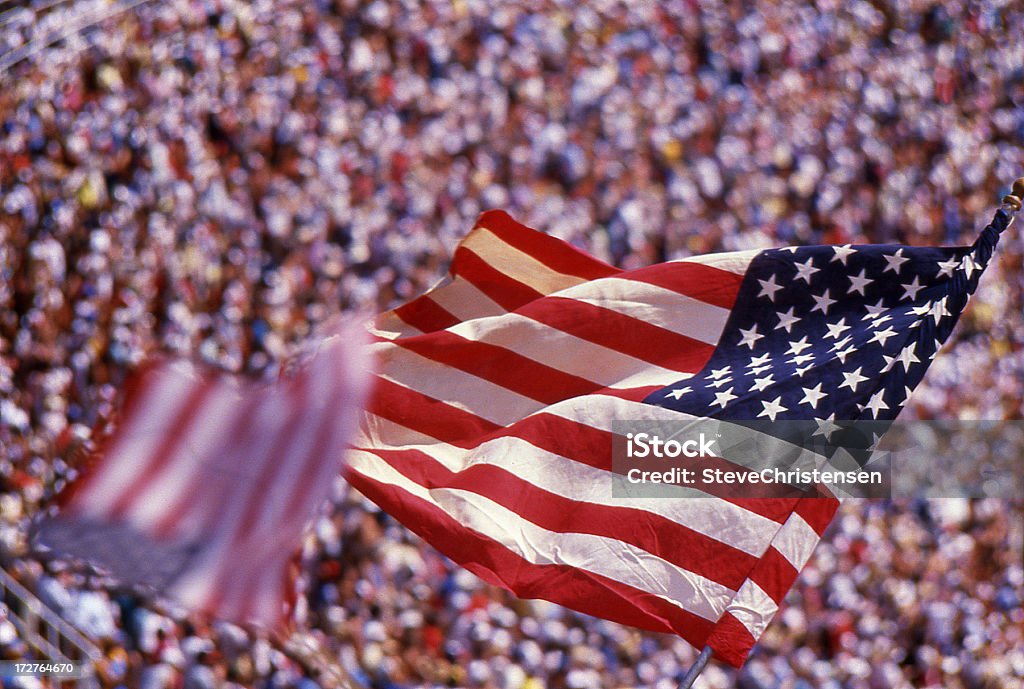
<point x="813" y="395"/>
<point x="679" y="392"/>
<point x="907" y="356"/>
<point x="939" y="310"/>
<point x="772" y="409"/>
<point x="845" y="352"/>
<point x="858" y="282"/>
<point x="876" y="309"/>
<point x="758" y="361"/>
<point x="895" y="261"/>
<point x="805" y="270"/>
<point x="881" y="336"/>
<point x="822" y="302"/>
<point x="787" y="319"/>
<point x="842" y="253"/>
<point x="723" y="398"/>
<point x="947" y="267"/>
<point x="922" y="309"/>
<point x="769" y="287"/>
<point x="750" y="336"/>
<point x="910" y="291"/>
<point x="836" y="329"/>
<point x="826" y="426"/>
<point x="851" y="379"/>
<point x="798" y="346"/>
<point x="969" y="266"/>
<point x="839" y="344"/>
<point x="876" y="403"/>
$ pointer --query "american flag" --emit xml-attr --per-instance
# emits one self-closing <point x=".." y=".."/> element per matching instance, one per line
<point x="489" y="432"/>
<point x="202" y="491"/>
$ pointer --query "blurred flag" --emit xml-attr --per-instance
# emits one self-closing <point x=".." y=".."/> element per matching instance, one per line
<point x="204" y="488"/>
<point x="489" y="432"/>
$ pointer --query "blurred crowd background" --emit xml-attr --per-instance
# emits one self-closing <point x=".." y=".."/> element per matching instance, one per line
<point x="213" y="178"/>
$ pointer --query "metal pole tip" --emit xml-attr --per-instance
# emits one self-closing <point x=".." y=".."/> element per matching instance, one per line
<point x="1013" y="199"/>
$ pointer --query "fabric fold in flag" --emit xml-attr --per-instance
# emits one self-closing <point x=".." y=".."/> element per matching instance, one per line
<point x="203" y="489"/>
<point x="490" y="430"/>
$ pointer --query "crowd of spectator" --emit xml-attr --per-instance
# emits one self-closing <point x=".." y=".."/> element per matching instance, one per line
<point x="213" y="178"/>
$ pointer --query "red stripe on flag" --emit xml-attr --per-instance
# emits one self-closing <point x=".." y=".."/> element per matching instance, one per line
<point x="133" y="391"/>
<point x="593" y="447"/>
<point x="227" y="574"/>
<point x="425" y="315"/>
<point x="167" y="449"/>
<point x="551" y="251"/>
<point x="507" y="292"/>
<point x="730" y="641"/>
<point x="555" y="434"/>
<point x="586" y="592"/>
<point x="621" y="333"/>
<point x="817" y="512"/>
<point x="775" y="574"/>
<point x="702" y="282"/>
<point x="426" y="415"/>
<point x="673" y="542"/>
<point x="321" y="446"/>
<point x="271" y="468"/>
<point x="207" y="488"/>
<point x="499" y="365"/>
<point x="563" y="437"/>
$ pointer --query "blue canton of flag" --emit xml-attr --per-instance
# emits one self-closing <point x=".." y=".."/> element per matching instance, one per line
<point x="831" y="333"/>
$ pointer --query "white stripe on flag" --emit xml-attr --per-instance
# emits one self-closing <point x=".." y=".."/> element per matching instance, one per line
<point x="200" y="439"/>
<point x="655" y="305"/>
<point x="138" y="441"/>
<point x="607" y="557"/>
<point x="581" y="482"/>
<point x="753" y="608"/>
<point x="464" y="300"/>
<point x="796" y="541"/>
<point x="730" y="261"/>
<point x="463" y="390"/>
<point x="516" y="264"/>
<point x="560" y="350"/>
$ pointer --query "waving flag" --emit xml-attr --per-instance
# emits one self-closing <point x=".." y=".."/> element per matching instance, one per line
<point x="205" y="486"/>
<point x="490" y="431"/>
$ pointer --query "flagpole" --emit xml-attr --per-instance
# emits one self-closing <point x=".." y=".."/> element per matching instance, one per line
<point x="695" y="669"/>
